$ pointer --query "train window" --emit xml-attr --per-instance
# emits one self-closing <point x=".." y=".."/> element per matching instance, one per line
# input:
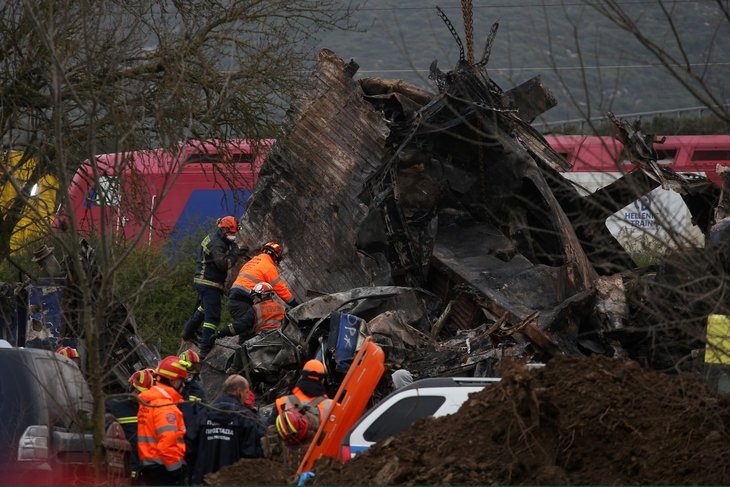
<point x="242" y="157"/>
<point x="203" y="157"/>
<point x="666" y="156"/>
<point x="711" y="155"/>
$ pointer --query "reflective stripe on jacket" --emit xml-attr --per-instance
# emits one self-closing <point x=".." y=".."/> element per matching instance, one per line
<point x="160" y="429"/>
<point x="261" y="268"/>
<point x="269" y="315"/>
<point x="124" y="410"/>
<point x="213" y="261"/>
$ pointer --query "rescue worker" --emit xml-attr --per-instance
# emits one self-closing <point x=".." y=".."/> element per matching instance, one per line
<point x="227" y="431"/>
<point x="71" y="353"/>
<point x="268" y="314"/>
<point x="296" y="416"/>
<point x="192" y="388"/>
<point x="124" y="410"/>
<point x="160" y="427"/>
<point x="216" y="255"/>
<point x="261" y="268"/>
<point x="309" y="388"/>
<point x="193" y="396"/>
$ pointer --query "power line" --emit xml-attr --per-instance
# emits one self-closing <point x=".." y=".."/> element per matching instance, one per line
<point x="550" y="68"/>
<point x="512" y="5"/>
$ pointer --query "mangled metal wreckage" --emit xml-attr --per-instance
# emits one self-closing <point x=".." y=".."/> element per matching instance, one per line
<point x="442" y="223"/>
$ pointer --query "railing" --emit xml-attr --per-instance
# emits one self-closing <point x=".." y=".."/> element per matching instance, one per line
<point x="582" y="123"/>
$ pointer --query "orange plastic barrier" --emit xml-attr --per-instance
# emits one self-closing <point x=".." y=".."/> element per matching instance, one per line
<point x="349" y="403"/>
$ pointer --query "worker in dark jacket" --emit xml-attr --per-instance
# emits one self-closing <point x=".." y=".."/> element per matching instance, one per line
<point x="216" y="255"/>
<point x="124" y="410"/>
<point x="193" y="398"/>
<point x="227" y="430"/>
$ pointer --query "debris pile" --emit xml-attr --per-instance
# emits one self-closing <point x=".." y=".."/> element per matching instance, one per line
<point x="381" y="184"/>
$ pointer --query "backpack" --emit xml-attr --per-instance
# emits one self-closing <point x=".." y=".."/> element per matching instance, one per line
<point x="308" y="409"/>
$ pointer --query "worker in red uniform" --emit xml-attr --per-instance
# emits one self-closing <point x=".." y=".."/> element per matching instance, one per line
<point x="216" y="255"/>
<point x="160" y="427"/>
<point x="261" y="268"/>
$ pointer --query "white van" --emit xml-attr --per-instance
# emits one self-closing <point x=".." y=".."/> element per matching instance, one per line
<point x="426" y="397"/>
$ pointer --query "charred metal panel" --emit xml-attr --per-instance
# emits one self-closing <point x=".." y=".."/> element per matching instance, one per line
<point x="481" y="257"/>
<point x="305" y="196"/>
<point x="530" y="99"/>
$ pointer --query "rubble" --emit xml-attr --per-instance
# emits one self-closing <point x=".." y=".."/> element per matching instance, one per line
<point x="378" y="184"/>
<point x="451" y="198"/>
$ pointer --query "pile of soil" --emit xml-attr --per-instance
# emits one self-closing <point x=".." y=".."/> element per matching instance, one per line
<point x="253" y="471"/>
<point x="577" y="421"/>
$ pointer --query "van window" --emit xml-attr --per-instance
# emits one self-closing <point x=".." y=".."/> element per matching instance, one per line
<point x="401" y="415"/>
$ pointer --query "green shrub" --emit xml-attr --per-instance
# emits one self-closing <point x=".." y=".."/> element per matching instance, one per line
<point x="156" y="284"/>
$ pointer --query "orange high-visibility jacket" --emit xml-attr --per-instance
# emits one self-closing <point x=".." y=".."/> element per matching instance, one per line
<point x="283" y="402"/>
<point x="261" y="268"/>
<point x="269" y="315"/>
<point x="160" y="430"/>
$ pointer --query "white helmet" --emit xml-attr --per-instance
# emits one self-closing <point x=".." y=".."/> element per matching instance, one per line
<point x="262" y="289"/>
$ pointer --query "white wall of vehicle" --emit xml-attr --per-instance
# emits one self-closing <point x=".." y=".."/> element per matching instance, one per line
<point x="658" y="219"/>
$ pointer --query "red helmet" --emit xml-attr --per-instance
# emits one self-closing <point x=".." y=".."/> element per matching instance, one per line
<point x="228" y="223"/>
<point x="189" y="358"/>
<point x="262" y="289"/>
<point x="142" y="379"/>
<point x="273" y="249"/>
<point x="292" y="427"/>
<point x="69" y="352"/>
<point x="172" y="368"/>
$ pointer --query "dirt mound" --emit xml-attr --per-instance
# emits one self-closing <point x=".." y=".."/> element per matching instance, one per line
<point x="253" y="471"/>
<point x="577" y="421"/>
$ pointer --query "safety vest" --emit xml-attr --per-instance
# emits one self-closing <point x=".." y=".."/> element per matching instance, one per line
<point x="160" y="429"/>
<point x="261" y="268"/>
<point x="285" y="402"/>
<point x="269" y="315"/>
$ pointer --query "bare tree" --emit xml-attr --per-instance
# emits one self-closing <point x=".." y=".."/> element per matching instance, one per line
<point x="671" y="47"/>
<point x="82" y="78"/>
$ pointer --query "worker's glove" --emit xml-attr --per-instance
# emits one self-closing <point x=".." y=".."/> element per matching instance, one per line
<point x="226" y="331"/>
